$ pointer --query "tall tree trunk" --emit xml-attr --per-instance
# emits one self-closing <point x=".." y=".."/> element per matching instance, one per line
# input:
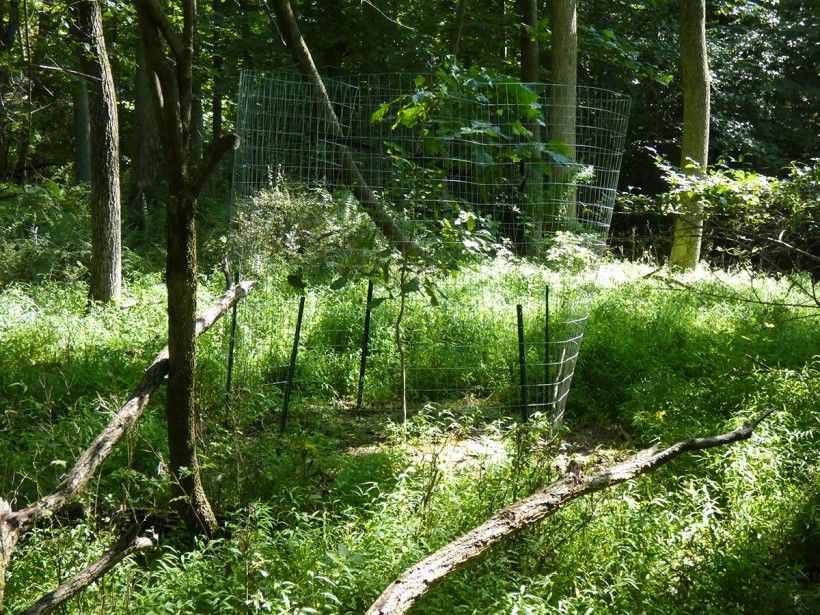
<point x="106" y="246"/>
<point x="21" y="170"/>
<point x="562" y="121"/>
<point x="458" y="27"/>
<point x="528" y="40"/>
<point x="695" y="141"/>
<point x="218" y="65"/>
<point x="145" y="167"/>
<point x="9" y="22"/>
<point x="173" y="106"/>
<point x="82" y="133"/>
<point x="533" y="192"/>
<point x="197" y="123"/>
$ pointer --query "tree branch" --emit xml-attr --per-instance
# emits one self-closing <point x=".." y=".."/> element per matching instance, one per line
<point x="129" y="543"/>
<point x="417" y="580"/>
<point x="162" y="23"/>
<point x="221" y="147"/>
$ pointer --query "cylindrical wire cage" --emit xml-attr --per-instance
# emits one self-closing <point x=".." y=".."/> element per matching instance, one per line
<point x="524" y="174"/>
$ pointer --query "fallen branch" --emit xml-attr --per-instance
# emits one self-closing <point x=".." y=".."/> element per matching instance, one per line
<point x="13" y="524"/>
<point x="417" y="580"/>
<point x="125" y="546"/>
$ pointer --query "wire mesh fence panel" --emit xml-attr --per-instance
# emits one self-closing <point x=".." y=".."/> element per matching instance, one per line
<point x="518" y="179"/>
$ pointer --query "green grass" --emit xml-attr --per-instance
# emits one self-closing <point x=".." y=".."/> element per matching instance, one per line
<point x="320" y="520"/>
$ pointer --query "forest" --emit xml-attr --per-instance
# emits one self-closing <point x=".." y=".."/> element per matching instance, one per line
<point x="391" y="306"/>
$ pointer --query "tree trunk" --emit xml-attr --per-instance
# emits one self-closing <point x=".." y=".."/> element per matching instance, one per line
<point x="695" y="142"/>
<point x="197" y="123"/>
<point x="533" y="191"/>
<point x="180" y="277"/>
<point x="173" y="107"/>
<point x="145" y="157"/>
<point x="218" y="64"/>
<point x="562" y="121"/>
<point x="106" y="247"/>
<point x="370" y="203"/>
<point x="9" y="22"/>
<point x="458" y="27"/>
<point x="528" y="40"/>
<point x="82" y="133"/>
<point x="216" y="103"/>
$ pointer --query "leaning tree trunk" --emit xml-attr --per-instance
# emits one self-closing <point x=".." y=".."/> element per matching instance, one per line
<point x="564" y="64"/>
<point x="695" y="142"/>
<point x="367" y="197"/>
<point x="82" y="133"/>
<point x="106" y="247"/>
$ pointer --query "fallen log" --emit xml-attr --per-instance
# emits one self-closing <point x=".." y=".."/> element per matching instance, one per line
<point x="13" y="524"/>
<point x="417" y="580"/>
<point x="129" y="543"/>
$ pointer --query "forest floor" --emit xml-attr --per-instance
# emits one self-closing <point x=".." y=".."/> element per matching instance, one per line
<point x="322" y="518"/>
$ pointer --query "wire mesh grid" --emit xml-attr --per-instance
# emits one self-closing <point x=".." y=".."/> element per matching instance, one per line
<point x="529" y="169"/>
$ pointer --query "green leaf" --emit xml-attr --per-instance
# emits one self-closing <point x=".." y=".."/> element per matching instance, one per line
<point x="413" y="286"/>
<point x="338" y="283"/>
<point x="378" y="114"/>
<point x="295" y="280"/>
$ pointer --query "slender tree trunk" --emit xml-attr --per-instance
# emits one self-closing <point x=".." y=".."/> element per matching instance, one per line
<point x="528" y="41"/>
<point x="24" y="142"/>
<point x="218" y="64"/>
<point x="562" y="121"/>
<point x="106" y="247"/>
<point x="458" y="27"/>
<point x="533" y="192"/>
<point x="82" y="133"/>
<point x="695" y="141"/>
<point x="9" y="22"/>
<point x="173" y="106"/>
<point x="197" y="123"/>
<point x="145" y="168"/>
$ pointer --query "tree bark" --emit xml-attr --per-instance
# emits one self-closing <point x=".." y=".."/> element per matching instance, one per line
<point x="106" y="243"/>
<point x="82" y="133"/>
<point x="695" y="140"/>
<point x="218" y="64"/>
<point x="145" y="158"/>
<point x="458" y="28"/>
<point x="13" y="524"/>
<point x="9" y="22"/>
<point x="173" y="107"/>
<point x="528" y="41"/>
<point x="533" y="193"/>
<point x="562" y="121"/>
<point x="417" y="580"/>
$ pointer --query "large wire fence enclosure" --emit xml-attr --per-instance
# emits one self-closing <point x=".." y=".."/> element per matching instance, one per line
<point x="500" y="188"/>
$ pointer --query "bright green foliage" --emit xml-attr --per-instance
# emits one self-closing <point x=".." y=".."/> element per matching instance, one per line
<point x="322" y="519"/>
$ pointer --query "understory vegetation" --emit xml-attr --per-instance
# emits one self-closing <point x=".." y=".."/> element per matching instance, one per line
<point x="321" y="518"/>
